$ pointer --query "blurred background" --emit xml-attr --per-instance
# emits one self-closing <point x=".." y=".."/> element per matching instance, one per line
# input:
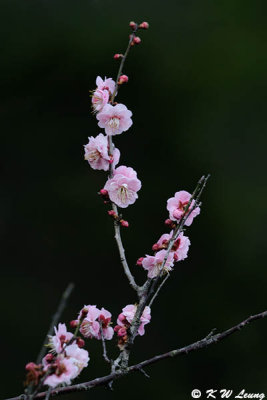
<point x="197" y="90"/>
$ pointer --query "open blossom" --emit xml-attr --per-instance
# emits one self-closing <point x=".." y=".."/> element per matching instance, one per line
<point x="123" y="187"/>
<point x="114" y="119"/>
<point x="91" y="324"/>
<point x="126" y="318"/>
<point x="79" y="357"/>
<point x="64" y="371"/>
<point x="153" y="263"/>
<point x="60" y="338"/>
<point x="96" y="153"/>
<point x="105" y="84"/>
<point x="99" y="99"/>
<point x="176" y="206"/>
<point x="180" y="246"/>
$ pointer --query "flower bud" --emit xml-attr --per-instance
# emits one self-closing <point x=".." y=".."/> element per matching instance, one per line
<point x="112" y="213"/>
<point x="122" y="331"/>
<point x="139" y="261"/>
<point x="84" y="312"/>
<point x="124" y="223"/>
<point x="155" y="247"/>
<point x="136" y="40"/>
<point x="103" y="192"/>
<point x="144" y="25"/>
<point x="117" y="56"/>
<point x="123" y="79"/>
<point x="80" y="342"/>
<point x="74" y="323"/>
<point x="133" y="25"/>
<point x="49" y="357"/>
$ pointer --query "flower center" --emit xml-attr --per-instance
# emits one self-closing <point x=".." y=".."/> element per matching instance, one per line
<point x="93" y="155"/>
<point x="114" y="123"/>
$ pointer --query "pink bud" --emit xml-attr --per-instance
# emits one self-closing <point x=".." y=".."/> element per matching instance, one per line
<point x="123" y="79"/>
<point x="136" y="40"/>
<point x="117" y="56"/>
<point x="139" y="261"/>
<point x="117" y="328"/>
<point x="169" y="222"/>
<point x="112" y="213"/>
<point x="49" y="357"/>
<point x="80" y="342"/>
<point x="155" y="247"/>
<point x="103" y="192"/>
<point x="123" y="223"/>
<point x="121" y="317"/>
<point x="122" y="332"/>
<point x="133" y="25"/>
<point x="73" y="323"/>
<point x="144" y="25"/>
<point x="30" y="365"/>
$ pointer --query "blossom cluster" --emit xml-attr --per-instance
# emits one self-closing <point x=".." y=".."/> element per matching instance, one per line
<point x="67" y="357"/>
<point x="163" y="259"/>
<point x="123" y="184"/>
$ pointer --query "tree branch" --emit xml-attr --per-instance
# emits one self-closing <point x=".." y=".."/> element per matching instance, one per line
<point x="207" y="341"/>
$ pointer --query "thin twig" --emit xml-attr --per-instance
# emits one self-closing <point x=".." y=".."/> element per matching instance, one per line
<point x="105" y="356"/>
<point x="208" y="340"/>
<point x="158" y="289"/>
<point x="55" y="319"/>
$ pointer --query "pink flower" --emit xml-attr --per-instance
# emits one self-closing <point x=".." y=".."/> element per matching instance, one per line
<point x="180" y="246"/>
<point x="105" y="319"/>
<point x="153" y="263"/>
<point x="90" y="326"/>
<point x="78" y="356"/>
<point x="128" y="314"/>
<point x="99" y="99"/>
<point x="61" y="337"/>
<point x="177" y="204"/>
<point x="106" y="84"/>
<point x="96" y="153"/>
<point x="65" y="371"/>
<point x="114" y="119"/>
<point x="123" y="187"/>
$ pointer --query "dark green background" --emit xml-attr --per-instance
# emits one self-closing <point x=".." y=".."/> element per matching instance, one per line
<point x="197" y="90"/>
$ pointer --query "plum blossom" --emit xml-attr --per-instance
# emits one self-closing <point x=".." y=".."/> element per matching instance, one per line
<point x="105" y="84"/>
<point x="126" y="318"/>
<point x="92" y="322"/>
<point x="96" y="153"/>
<point x="60" y="338"/>
<point x="176" y="206"/>
<point x="79" y="357"/>
<point x="99" y="99"/>
<point x="180" y="246"/>
<point x="114" y="119"/>
<point x="64" y="371"/>
<point x="153" y="263"/>
<point x="123" y="187"/>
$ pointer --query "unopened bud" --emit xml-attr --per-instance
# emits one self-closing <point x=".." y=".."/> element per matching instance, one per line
<point x="80" y="342"/>
<point x="49" y="357"/>
<point x="144" y="25"/>
<point x="155" y="247"/>
<point x="123" y="79"/>
<point x="84" y="312"/>
<point x="133" y="25"/>
<point x="112" y="213"/>
<point x="103" y="192"/>
<point x="124" y="223"/>
<point x="139" y="261"/>
<point x="169" y="222"/>
<point x="117" y="56"/>
<point x="136" y="40"/>
<point x="74" y="323"/>
<point x="122" y="332"/>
